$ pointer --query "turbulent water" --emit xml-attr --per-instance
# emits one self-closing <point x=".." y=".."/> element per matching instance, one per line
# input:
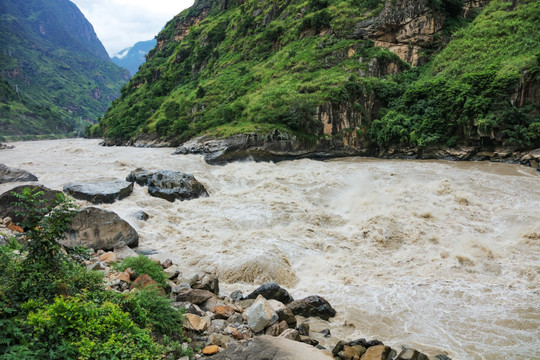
<point x="440" y="256"/>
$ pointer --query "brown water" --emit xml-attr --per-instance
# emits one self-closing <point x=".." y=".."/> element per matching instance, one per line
<point x="440" y="256"/>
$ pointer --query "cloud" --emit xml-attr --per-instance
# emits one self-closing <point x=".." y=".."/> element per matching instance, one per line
<point x="121" y="23"/>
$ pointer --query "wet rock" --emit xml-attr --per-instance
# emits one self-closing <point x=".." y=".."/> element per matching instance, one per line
<point x="99" y="229"/>
<point x="207" y="282"/>
<point x="260" y="315"/>
<point x="196" y="322"/>
<point x="303" y="329"/>
<point x="210" y="350"/>
<point x="312" y="306"/>
<point x="194" y="296"/>
<point x="377" y="352"/>
<point x="8" y="207"/>
<point x="290" y="334"/>
<point x="167" y="264"/>
<point x="283" y="312"/>
<point x="141" y="215"/>
<point x="277" y="329"/>
<point x="341" y="345"/>
<point x="271" y="291"/>
<point x="411" y="354"/>
<point x="168" y="185"/>
<point x="100" y="192"/>
<point x="308" y="340"/>
<point x="325" y="332"/>
<point x="8" y="174"/>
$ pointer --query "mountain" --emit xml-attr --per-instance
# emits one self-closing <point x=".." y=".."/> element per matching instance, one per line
<point x="133" y="57"/>
<point x="340" y="76"/>
<point x="55" y="75"/>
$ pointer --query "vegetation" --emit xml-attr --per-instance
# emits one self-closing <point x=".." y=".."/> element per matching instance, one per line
<point x="143" y="265"/>
<point x="256" y="66"/>
<point x="52" y="307"/>
<point x="55" y="78"/>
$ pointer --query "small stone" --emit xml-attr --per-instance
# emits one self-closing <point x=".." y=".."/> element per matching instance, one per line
<point x="171" y="271"/>
<point x="207" y="282"/>
<point x="217" y="325"/>
<point x="219" y="339"/>
<point x="108" y="258"/>
<point x="325" y="332"/>
<point x="277" y="328"/>
<point x="307" y="340"/>
<point x="141" y="215"/>
<point x="223" y="311"/>
<point x="237" y="334"/>
<point x="97" y="266"/>
<point x="290" y="334"/>
<point x="237" y="295"/>
<point x="210" y="350"/>
<point x="377" y="352"/>
<point x="196" y="322"/>
<point x="125" y="276"/>
<point x="260" y="315"/>
<point x="236" y="318"/>
<point x="143" y="281"/>
<point x="167" y="264"/>
<point x="411" y="354"/>
<point x="303" y="329"/>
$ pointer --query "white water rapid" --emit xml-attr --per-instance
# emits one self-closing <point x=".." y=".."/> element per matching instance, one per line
<point x="440" y="256"/>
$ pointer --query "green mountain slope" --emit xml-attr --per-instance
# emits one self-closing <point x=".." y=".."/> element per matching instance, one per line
<point x="51" y="59"/>
<point x="365" y="73"/>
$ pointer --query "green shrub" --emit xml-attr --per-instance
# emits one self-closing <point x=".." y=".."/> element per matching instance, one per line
<point x="144" y="265"/>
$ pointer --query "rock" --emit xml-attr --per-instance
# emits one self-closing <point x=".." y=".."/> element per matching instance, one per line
<point x="8" y="174"/>
<point x="100" y="192"/>
<point x="99" y="229"/>
<point x="210" y="350"/>
<point x="307" y="340"/>
<point x="283" y="312"/>
<point x="341" y="345"/>
<point x="207" y="282"/>
<point x="96" y="266"/>
<point x="108" y="258"/>
<point x="168" y="185"/>
<point x="194" y="309"/>
<point x="219" y="340"/>
<point x="7" y="200"/>
<point x="5" y="146"/>
<point x="217" y="326"/>
<point x="167" y="264"/>
<point x="260" y="315"/>
<point x="125" y="276"/>
<point x="196" y="322"/>
<point x="271" y="291"/>
<point x="223" y="311"/>
<point x="141" y="215"/>
<point x="290" y="334"/>
<point x="303" y="329"/>
<point x="532" y="159"/>
<point x="277" y="328"/>
<point x="325" y="332"/>
<point x="312" y="306"/>
<point x="236" y="318"/>
<point x="143" y="281"/>
<point x="411" y="354"/>
<point x="194" y="296"/>
<point x="124" y="251"/>
<point x="172" y="271"/>
<point x="15" y="228"/>
<point x="267" y="347"/>
<point x="236" y="295"/>
<point x="377" y="352"/>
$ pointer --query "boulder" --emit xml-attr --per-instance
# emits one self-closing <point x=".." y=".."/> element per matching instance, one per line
<point x="99" y="229"/>
<point x="283" y="312"/>
<point x="143" y="281"/>
<point x="8" y="174"/>
<point x="377" y="352"/>
<point x="312" y="306"/>
<point x="194" y="296"/>
<point x="123" y="251"/>
<point x="277" y="329"/>
<point x="100" y="192"/>
<point x="196" y="322"/>
<point x="411" y="354"/>
<point x="290" y="334"/>
<point x="7" y="200"/>
<point x="223" y="311"/>
<point x="208" y="282"/>
<point x="168" y="185"/>
<point x="271" y="291"/>
<point x="268" y="347"/>
<point x="340" y="349"/>
<point x="261" y="315"/>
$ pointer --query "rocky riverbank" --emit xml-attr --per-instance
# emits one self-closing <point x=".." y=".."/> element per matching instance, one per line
<point x="278" y="146"/>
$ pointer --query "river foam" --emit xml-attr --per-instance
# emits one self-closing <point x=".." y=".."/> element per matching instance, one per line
<point x="440" y="256"/>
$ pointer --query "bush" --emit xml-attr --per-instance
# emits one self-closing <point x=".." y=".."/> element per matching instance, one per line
<point x="144" y="265"/>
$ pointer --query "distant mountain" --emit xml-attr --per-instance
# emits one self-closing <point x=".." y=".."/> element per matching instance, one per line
<point x="55" y="75"/>
<point x="133" y="57"/>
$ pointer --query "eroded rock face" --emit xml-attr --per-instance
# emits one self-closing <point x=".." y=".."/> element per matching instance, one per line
<point x="8" y="174"/>
<point x="96" y="228"/>
<point x="100" y="192"/>
<point x="168" y="185"/>
<point x="7" y="200"/>
<point x="268" y="347"/>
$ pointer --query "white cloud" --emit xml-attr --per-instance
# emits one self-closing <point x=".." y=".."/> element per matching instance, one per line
<point x="121" y="23"/>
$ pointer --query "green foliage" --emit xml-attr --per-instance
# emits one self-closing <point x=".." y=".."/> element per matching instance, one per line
<point x="144" y="265"/>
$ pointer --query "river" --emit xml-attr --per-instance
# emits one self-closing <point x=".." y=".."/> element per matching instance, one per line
<point x="440" y="256"/>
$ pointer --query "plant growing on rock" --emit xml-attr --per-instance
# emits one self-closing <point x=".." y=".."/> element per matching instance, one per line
<point x="144" y="265"/>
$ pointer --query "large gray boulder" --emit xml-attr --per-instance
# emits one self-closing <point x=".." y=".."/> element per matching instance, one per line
<point x="96" y="229"/>
<point x="100" y="192"/>
<point x="168" y="185"/>
<point x="8" y="174"/>
<point x="269" y="347"/>
<point x="261" y="315"/>
<point x="7" y="201"/>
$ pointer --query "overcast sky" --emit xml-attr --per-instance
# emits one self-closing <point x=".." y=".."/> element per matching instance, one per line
<point x="121" y="23"/>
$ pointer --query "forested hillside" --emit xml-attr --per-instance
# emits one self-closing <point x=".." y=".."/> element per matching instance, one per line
<point x="366" y="73"/>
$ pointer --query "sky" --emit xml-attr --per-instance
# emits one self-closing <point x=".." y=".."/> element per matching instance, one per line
<point x="121" y="23"/>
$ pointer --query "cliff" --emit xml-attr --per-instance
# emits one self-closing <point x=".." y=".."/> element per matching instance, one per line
<point x="56" y="73"/>
<point x="359" y="75"/>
